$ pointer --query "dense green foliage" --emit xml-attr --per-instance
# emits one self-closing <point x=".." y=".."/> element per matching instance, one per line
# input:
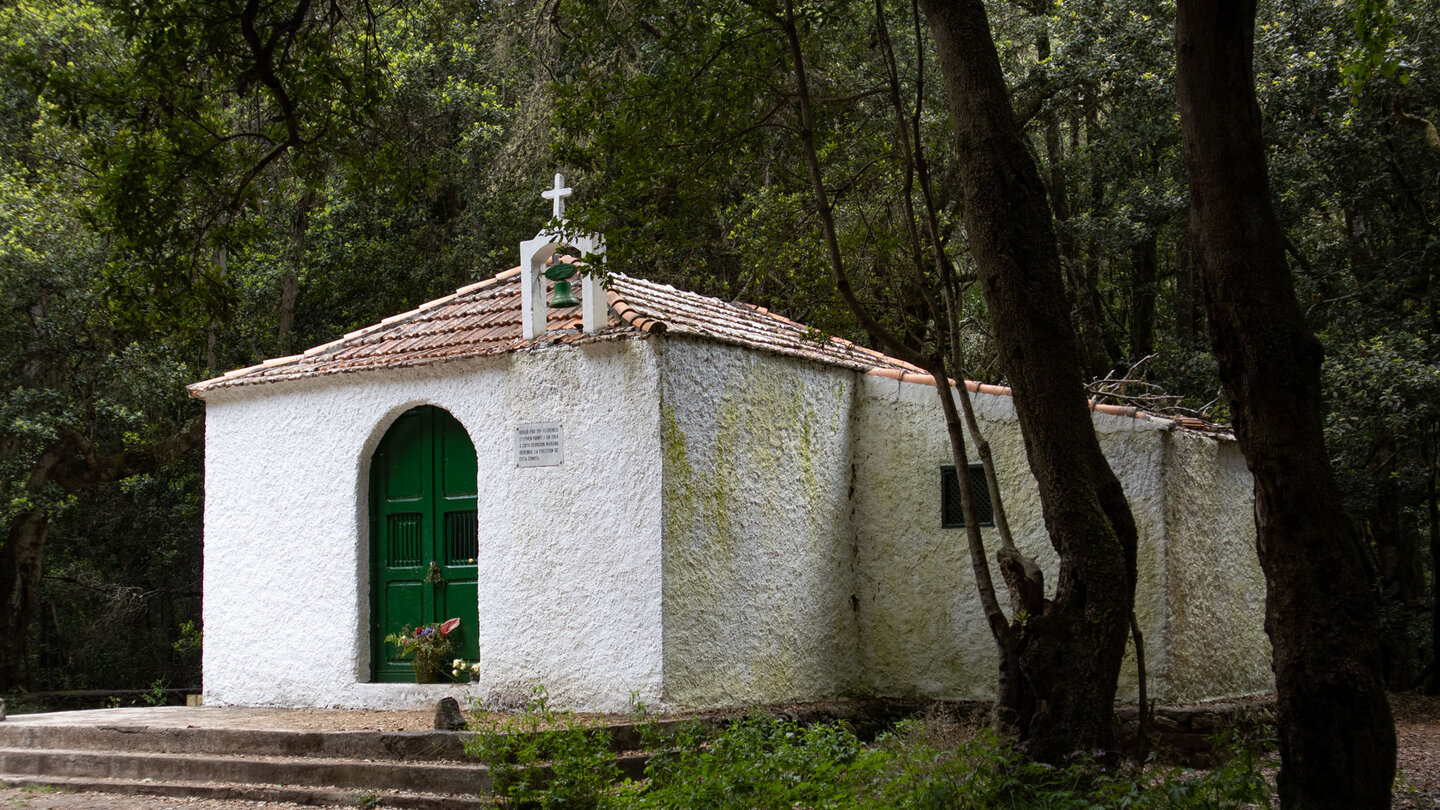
<point x="763" y="762"/>
<point x="185" y="188"/>
<point x="153" y="235"/>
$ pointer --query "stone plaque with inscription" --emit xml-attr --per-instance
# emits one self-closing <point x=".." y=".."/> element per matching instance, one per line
<point x="539" y="444"/>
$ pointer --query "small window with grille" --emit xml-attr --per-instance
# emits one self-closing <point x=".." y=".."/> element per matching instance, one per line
<point x="951" y="516"/>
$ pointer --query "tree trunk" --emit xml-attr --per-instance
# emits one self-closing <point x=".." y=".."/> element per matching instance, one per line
<point x="1401" y="572"/>
<point x="1185" y="320"/>
<point x="1073" y="662"/>
<point x="1095" y="322"/>
<point x="1081" y="291"/>
<point x="1094" y="362"/>
<point x="1013" y="700"/>
<point x="1337" y="739"/>
<point x="1432" y="509"/>
<point x="290" y="281"/>
<point x="1142" y="297"/>
<point x="20" y="569"/>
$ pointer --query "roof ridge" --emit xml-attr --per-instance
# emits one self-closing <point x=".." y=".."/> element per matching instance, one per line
<point x="730" y="310"/>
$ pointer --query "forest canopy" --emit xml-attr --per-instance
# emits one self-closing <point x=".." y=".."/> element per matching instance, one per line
<point x="190" y="186"/>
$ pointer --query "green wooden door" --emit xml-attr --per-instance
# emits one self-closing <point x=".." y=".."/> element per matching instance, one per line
<point x="422" y="512"/>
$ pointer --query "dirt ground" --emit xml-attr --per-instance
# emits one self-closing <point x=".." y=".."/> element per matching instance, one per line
<point x="1417" y="725"/>
<point x="1417" y="731"/>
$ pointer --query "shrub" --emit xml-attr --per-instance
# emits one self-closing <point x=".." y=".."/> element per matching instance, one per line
<point x="517" y="749"/>
<point x="759" y="762"/>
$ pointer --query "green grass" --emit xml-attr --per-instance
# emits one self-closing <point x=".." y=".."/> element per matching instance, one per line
<point x="27" y="792"/>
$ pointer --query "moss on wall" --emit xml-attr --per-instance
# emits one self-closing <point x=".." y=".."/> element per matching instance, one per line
<point x="757" y="538"/>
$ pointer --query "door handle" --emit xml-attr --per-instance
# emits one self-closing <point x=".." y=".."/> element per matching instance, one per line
<point x="435" y="576"/>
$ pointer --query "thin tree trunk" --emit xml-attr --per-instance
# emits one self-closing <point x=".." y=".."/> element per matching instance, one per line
<point x="20" y="570"/>
<point x="1094" y="360"/>
<point x="1015" y="703"/>
<point x="1433" y="508"/>
<point x="1082" y="302"/>
<point x="1337" y="738"/>
<point x="1401" y="570"/>
<point x="1093" y="318"/>
<point x="1142" y="720"/>
<point x="1012" y="698"/>
<point x="1185" y="320"/>
<point x="212" y="327"/>
<point x="1073" y="662"/>
<point x="290" y="281"/>
<point x="1402" y="573"/>
<point x="1142" y="298"/>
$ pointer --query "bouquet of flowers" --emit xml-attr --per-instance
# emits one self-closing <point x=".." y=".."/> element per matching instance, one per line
<point x="430" y="644"/>
<point x="461" y="668"/>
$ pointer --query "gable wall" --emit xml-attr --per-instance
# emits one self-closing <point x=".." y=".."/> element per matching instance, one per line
<point x="758" y="544"/>
<point x="1216" y="632"/>
<point x="569" y="558"/>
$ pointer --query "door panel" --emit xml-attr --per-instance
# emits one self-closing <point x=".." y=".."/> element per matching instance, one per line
<point x="457" y="466"/>
<point x="407" y="456"/>
<point x="422" y="496"/>
<point x="458" y="564"/>
<point x="404" y="599"/>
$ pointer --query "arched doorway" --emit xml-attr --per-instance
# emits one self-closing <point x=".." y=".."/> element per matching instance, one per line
<point x="422" y="535"/>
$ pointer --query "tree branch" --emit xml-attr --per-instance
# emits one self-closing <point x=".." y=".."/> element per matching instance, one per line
<point x="77" y="472"/>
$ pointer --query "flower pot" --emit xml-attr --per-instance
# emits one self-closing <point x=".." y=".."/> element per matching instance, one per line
<point x="427" y="672"/>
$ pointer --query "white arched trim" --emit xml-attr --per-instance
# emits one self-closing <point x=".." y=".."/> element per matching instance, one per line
<point x="534" y="253"/>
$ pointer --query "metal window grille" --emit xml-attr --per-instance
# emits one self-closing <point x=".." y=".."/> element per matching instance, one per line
<point x="461" y="538"/>
<point x="404" y="536"/>
<point x="951" y="516"/>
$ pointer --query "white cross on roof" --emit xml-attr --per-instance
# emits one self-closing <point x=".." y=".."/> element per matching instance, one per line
<point x="557" y="195"/>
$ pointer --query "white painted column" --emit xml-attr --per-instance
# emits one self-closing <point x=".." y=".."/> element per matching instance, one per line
<point x="533" y="254"/>
<point x="594" y="307"/>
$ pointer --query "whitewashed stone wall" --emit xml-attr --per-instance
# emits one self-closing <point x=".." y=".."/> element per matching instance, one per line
<point x="758" y="535"/>
<point x="1215" y="634"/>
<point x="1200" y="593"/>
<point x="569" y="563"/>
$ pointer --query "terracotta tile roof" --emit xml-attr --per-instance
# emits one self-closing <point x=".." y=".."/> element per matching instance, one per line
<point x="484" y="319"/>
<point x="660" y="307"/>
<point x="1186" y="422"/>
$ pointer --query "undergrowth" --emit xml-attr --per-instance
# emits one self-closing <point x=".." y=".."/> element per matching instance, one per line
<point x="581" y="772"/>
<point x="765" y="763"/>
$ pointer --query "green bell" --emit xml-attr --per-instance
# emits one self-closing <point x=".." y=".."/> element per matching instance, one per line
<point x="563" y="296"/>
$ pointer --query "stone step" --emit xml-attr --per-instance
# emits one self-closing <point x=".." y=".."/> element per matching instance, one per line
<point x="439" y="785"/>
<point x="374" y="745"/>
<point x="309" y="796"/>
<point x="438" y="746"/>
<point x="352" y="774"/>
